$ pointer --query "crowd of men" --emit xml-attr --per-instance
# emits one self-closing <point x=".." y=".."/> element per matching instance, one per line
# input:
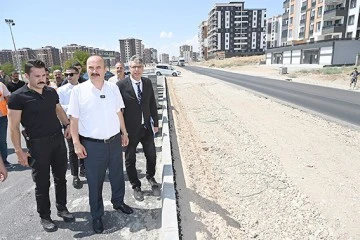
<point x="99" y="120"/>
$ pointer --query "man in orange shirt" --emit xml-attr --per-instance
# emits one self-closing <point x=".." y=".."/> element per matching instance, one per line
<point x="4" y="97"/>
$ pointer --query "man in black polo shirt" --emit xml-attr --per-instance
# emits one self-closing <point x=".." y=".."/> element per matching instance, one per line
<point x="15" y="82"/>
<point x="37" y="108"/>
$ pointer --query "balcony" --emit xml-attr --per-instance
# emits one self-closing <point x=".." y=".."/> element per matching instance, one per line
<point x="333" y="2"/>
<point x="303" y="8"/>
<point x="333" y="28"/>
<point x="312" y="18"/>
<point x="334" y="13"/>
<point x="302" y="21"/>
<point x="313" y="3"/>
<point x="285" y="15"/>
<point x="286" y="3"/>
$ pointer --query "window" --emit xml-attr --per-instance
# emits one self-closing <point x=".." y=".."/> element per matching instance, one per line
<point x="290" y="33"/>
<point x="352" y="3"/>
<point x="318" y="26"/>
<point x="319" y="11"/>
<point x="351" y="20"/>
<point x="291" y="9"/>
<point x="291" y="20"/>
<point x="349" y="35"/>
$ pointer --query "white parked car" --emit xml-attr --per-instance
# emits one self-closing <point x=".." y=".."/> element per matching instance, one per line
<point x="166" y="69"/>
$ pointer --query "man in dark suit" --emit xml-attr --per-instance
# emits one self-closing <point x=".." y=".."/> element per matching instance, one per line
<point x="139" y="113"/>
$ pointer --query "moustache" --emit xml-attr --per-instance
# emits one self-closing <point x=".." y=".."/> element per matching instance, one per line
<point x="95" y="74"/>
<point x="41" y="83"/>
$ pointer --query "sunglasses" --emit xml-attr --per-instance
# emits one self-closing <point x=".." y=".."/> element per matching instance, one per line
<point x="69" y="74"/>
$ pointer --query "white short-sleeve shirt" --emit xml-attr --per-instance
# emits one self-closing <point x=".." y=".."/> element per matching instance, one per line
<point x="97" y="110"/>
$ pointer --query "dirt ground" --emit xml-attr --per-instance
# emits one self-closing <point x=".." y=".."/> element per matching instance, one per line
<point x="248" y="167"/>
<point x="336" y="77"/>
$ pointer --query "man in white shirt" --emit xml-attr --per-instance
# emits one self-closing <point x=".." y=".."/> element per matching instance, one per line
<point x="72" y="75"/>
<point x="120" y="73"/>
<point x="96" y="120"/>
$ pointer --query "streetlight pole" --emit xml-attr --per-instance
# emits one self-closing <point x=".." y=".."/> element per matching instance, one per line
<point x="10" y="22"/>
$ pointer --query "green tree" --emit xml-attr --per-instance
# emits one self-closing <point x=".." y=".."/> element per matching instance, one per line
<point x="68" y="63"/>
<point x="56" y="67"/>
<point x="79" y="56"/>
<point x="8" y="68"/>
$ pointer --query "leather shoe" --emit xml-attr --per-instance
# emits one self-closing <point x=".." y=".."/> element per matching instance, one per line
<point x="98" y="225"/>
<point x="66" y="215"/>
<point x="154" y="186"/>
<point x="124" y="208"/>
<point x="138" y="194"/>
<point x="48" y="225"/>
<point x="77" y="183"/>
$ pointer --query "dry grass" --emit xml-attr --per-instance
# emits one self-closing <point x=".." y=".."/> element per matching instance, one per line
<point x="233" y="62"/>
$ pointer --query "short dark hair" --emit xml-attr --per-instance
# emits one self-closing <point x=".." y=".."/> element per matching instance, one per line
<point x="73" y="68"/>
<point x="33" y="63"/>
<point x="47" y="70"/>
<point x="14" y="72"/>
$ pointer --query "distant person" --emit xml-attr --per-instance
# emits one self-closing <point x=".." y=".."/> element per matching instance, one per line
<point x="49" y="83"/>
<point x="140" y="109"/>
<point x="58" y="77"/>
<point x="72" y="76"/>
<point x="37" y="108"/>
<point x="79" y="68"/>
<point x="5" y="79"/>
<point x="120" y="73"/>
<point x="4" y="98"/>
<point x="3" y="171"/>
<point x="354" y="75"/>
<point x="96" y="120"/>
<point x="15" y="82"/>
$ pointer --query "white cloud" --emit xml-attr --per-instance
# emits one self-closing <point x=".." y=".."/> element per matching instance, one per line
<point x="164" y="34"/>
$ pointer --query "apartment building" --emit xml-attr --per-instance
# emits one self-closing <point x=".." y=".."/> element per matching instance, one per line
<point x="202" y="38"/>
<point x="6" y="57"/>
<point x="49" y="55"/>
<point x="69" y="50"/>
<point x="147" y="55"/>
<point x="235" y="31"/>
<point x="130" y="47"/>
<point x="154" y="54"/>
<point x="25" y="54"/>
<point x="316" y="20"/>
<point x="274" y="30"/>
<point x="164" y="58"/>
<point x="186" y="51"/>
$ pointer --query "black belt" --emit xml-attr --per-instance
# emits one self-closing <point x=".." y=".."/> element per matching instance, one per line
<point x="49" y="138"/>
<point x="100" y="140"/>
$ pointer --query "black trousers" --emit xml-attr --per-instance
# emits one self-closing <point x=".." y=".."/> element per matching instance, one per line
<point x="146" y="138"/>
<point x="73" y="159"/>
<point x="102" y="156"/>
<point x="49" y="152"/>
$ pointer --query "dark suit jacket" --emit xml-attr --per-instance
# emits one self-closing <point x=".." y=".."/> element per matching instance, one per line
<point x="132" y="111"/>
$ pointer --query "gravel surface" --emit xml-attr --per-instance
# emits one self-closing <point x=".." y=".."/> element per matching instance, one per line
<point x="248" y="167"/>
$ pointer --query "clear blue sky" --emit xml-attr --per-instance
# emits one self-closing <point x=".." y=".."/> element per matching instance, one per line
<point x="161" y="24"/>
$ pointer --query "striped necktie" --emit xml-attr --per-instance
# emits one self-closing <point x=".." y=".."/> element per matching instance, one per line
<point x="139" y="93"/>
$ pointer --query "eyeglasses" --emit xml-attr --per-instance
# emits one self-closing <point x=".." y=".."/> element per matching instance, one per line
<point x="69" y="74"/>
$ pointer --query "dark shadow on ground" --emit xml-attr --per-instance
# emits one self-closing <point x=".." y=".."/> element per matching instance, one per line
<point x="114" y="221"/>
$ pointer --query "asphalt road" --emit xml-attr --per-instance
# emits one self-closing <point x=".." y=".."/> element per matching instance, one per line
<point x="341" y="105"/>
